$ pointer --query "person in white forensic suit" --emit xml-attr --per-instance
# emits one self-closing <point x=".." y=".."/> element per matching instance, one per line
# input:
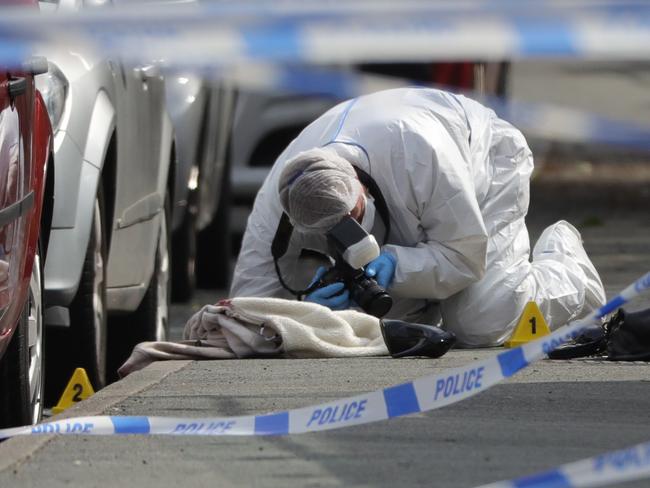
<point x="455" y="180"/>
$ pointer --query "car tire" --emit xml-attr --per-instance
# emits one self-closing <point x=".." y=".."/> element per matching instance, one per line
<point x="22" y="367"/>
<point x="150" y="321"/>
<point x="214" y="243"/>
<point x="84" y="343"/>
<point x="184" y="258"/>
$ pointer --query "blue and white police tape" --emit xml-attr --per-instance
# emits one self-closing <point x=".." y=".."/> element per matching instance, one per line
<point x="209" y="34"/>
<point x="420" y="395"/>
<point x="628" y="464"/>
<point x="257" y="37"/>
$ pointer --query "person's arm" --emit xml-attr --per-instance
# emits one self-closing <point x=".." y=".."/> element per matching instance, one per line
<point x="452" y="254"/>
<point x="254" y="274"/>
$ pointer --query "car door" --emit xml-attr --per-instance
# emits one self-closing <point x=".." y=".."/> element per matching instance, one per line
<point x="16" y="201"/>
<point x="137" y="200"/>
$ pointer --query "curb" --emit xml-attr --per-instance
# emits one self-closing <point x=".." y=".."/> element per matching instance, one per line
<point x="18" y="449"/>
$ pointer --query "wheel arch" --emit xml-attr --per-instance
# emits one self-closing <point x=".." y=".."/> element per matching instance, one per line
<point x="48" y="205"/>
<point x="100" y="166"/>
<point x="171" y="174"/>
<point x="72" y="219"/>
<point x="108" y="180"/>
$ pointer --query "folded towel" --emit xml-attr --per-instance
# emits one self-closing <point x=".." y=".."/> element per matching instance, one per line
<point x="265" y="327"/>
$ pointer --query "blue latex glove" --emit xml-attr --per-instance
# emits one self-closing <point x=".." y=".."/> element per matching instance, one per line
<point x="382" y="269"/>
<point x="334" y="296"/>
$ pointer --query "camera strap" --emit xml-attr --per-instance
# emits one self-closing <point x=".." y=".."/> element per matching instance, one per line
<point x="380" y="202"/>
<point x="279" y="248"/>
<point x="282" y="237"/>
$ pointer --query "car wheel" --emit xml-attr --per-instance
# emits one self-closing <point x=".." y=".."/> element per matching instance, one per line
<point x="150" y="322"/>
<point x="214" y="244"/>
<point x="184" y="258"/>
<point x="22" y="368"/>
<point x="83" y="344"/>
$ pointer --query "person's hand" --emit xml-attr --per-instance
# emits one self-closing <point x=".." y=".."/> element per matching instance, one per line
<point x="333" y="296"/>
<point x="382" y="269"/>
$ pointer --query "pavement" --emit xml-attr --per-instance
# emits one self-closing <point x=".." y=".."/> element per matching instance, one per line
<point x="552" y="413"/>
<point x="617" y="90"/>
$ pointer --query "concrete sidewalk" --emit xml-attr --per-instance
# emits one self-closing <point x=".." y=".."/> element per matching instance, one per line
<point x="551" y="413"/>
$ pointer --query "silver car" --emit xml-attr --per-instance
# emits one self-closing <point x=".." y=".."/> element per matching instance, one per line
<point x="109" y="246"/>
<point x="201" y="112"/>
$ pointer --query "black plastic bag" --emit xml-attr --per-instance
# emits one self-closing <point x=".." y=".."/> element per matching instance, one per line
<point x="624" y="337"/>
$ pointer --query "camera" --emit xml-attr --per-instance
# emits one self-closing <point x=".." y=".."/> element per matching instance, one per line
<point x="353" y="248"/>
<point x="365" y="291"/>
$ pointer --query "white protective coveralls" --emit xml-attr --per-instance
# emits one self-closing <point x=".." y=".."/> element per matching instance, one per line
<point x="455" y="178"/>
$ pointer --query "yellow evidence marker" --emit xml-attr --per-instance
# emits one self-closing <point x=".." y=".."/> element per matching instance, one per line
<point x="78" y="388"/>
<point x="531" y="326"/>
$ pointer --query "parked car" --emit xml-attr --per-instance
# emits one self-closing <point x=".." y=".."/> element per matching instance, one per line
<point x="107" y="279"/>
<point x="201" y="113"/>
<point x="26" y="172"/>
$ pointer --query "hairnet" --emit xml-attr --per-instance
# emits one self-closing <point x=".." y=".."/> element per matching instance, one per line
<point x="317" y="189"/>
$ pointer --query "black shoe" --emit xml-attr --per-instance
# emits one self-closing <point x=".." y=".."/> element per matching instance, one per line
<point x="410" y="339"/>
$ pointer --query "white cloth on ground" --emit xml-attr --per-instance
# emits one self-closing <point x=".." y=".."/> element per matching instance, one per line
<point x="253" y="327"/>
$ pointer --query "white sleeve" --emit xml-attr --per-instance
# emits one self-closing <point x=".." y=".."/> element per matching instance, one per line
<point x="452" y="254"/>
<point x="255" y="274"/>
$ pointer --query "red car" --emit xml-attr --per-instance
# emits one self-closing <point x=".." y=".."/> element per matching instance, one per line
<point x="25" y="179"/>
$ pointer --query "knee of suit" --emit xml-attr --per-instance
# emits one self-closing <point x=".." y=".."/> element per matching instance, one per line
<point x="482" y="322"/>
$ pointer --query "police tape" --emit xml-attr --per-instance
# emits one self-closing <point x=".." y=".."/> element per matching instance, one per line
<point x="283" y="46"/>
<point x="628" y="464"/>
<point x="420" y="395"/>
<point x="209" y="34"/>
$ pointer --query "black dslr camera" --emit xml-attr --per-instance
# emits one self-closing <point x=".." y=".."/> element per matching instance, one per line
<point x="365" y="291"/>
<point x="353" y="249"/>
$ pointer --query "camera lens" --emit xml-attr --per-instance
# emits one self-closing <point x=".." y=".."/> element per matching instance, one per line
<point x="371" y="297"/>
